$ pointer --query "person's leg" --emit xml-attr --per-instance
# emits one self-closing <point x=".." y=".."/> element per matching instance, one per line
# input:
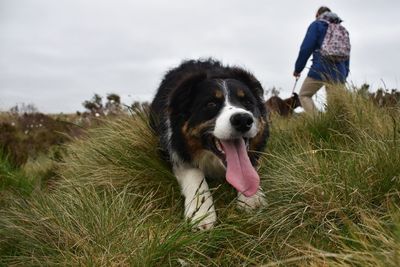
<point x="308" y="89"/>
<point x="334" y="92"/>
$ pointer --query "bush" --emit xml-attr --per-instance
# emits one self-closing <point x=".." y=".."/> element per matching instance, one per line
<point x="31" y="134"/>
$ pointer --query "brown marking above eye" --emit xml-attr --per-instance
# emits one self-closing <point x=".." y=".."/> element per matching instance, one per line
<point x="240" y="93"/>
<point x="218" y="93"/>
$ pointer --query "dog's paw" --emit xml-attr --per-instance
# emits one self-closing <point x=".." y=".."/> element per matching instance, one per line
<point x="201" y="212"/>
<point x="204" y="221"/>
<point x="251" y="203"/>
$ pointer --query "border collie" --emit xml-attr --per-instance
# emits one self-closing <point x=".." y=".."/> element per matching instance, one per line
<point x="211" y="121"/>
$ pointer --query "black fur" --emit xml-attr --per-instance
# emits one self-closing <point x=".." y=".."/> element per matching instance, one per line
<point x="185" y="96"/>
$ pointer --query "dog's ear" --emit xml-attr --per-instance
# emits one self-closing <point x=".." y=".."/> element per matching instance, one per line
<point x="298" y="102"/>
<point x="182" y="95"/>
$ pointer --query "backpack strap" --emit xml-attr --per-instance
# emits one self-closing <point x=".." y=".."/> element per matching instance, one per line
<point x="324" y="20"/>
<point x="329" y="22"/>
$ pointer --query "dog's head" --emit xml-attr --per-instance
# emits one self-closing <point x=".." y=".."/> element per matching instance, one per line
<point x="295" y="101"/>
<point x="222" y="112"/>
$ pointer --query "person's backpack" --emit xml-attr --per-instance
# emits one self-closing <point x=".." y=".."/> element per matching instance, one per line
<point x="336" y="43"/>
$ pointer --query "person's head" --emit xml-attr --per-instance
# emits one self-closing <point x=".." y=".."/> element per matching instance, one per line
<point x="322" y="10"/>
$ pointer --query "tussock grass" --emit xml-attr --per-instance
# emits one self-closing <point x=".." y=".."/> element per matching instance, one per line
<point x="332" y="184"/>
<point x="95" y="228"/>
<point x="34" y="175"/>
<point x="12" y="178"/>
<point x="121" y="152"/>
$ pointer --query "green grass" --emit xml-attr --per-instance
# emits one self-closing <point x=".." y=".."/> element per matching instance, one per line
<point x="12" y="178"/>
<point x="35" y="175"/>
<point x="332" y="183"/>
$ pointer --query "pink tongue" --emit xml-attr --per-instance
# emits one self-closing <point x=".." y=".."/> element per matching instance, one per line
<point x="240" y="173"/>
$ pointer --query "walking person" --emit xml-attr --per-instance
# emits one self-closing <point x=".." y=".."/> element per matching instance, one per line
<point x="328" y="41"/>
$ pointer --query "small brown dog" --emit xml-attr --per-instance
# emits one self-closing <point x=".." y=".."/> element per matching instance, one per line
<point x="283" y="107"/>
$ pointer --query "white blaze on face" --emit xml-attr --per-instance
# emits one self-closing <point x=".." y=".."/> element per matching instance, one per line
<point x="223" y="128"/>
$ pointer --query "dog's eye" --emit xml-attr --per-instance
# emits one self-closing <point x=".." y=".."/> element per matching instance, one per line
<point x="211" y="105"/>
<point x="247" y="102"/>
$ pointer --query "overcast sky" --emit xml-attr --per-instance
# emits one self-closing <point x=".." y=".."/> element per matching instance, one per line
<point x="58" y="53"/>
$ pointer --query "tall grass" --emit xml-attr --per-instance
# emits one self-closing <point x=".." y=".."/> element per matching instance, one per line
<point x="35" y="175"/>
<point x="12" y="178"/>
<point x="332" y="184"/>
<point x="121" y="152"/>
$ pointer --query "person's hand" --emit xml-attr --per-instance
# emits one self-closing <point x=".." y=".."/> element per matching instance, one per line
<point x="296" y="74"/>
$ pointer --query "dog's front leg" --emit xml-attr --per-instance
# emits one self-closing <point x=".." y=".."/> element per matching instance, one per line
<point x="199" y="206"/>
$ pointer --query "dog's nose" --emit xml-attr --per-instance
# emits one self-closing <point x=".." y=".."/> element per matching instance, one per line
<point x="242" y="122"/>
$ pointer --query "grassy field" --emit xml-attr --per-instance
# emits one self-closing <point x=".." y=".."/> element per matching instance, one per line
<point x="332" y="183"/>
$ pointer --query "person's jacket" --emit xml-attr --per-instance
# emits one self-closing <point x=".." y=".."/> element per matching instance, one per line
<point x="321" y="69"/>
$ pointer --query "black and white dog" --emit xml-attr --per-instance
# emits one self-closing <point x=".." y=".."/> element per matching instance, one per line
<point x="211" y="120"/>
